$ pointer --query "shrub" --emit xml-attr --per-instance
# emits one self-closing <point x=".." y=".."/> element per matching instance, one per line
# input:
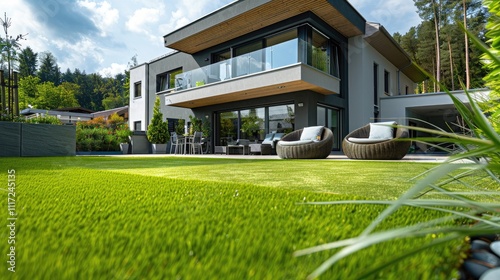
<point x="158" y="129"/>
<point x="102" y="135"/>
<point x="39" y="119"/>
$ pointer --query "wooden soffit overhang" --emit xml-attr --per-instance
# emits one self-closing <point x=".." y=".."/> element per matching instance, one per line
<point x="380" y="39"/>
<point x="245" y="16"/>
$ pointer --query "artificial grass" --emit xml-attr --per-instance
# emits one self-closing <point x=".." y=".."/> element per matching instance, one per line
<point x="205" y="218"/>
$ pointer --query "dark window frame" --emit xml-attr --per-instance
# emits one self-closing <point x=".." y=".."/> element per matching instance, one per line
<point x="387" y="80"/>
<point x="137" y="125"/>
<point x="166" y="80"/>
<point x="138" y="90"/>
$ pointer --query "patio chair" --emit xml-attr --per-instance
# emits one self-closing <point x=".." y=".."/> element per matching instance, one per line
<point x="176" y="141"/>
<point x="307" y="143"/>
<point x="196" y="144"/>
<point x="367" y="143"/>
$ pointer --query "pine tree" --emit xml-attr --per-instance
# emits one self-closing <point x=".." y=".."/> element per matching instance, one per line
<point x="158" y="129"/>
<point x="28" y="62"/>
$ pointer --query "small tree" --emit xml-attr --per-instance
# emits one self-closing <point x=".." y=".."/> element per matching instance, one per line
<point x="158" y="129"/>
<point x="179" y="128"/>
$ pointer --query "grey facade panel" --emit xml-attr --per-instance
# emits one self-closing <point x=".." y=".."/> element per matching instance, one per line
<point x="10" y="139"/>
<point x="140" y="144"/>
<point x="48" y="140"/>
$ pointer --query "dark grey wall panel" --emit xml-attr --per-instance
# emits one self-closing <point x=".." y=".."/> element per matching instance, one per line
<point x="20" y="139"/>
<point x="10" y="139"/>
<point x="48" y="140"/>
<point x="140" y="144"/>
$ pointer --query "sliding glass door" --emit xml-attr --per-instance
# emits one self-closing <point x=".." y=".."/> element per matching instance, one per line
<point x="330" y="117"/>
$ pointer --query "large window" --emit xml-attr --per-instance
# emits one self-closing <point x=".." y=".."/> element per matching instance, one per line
<point x="282" y="49"/>
<point x="330" y="117"/>
<point x="320" y="52"/>
<point x="228" y="127"/>
<point x="254" y="123"/>
<point x="249" y="58"/>
<point x="166" y="80"/>
<point x="282" y="118"/>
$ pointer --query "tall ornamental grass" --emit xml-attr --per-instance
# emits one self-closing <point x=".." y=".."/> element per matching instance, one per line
<point x="474" y="211"/>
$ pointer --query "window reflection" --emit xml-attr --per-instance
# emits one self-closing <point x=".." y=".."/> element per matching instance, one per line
<point x="252" y="124"/>
<point x="228" y="127"/>
<point x="282" y="118"/>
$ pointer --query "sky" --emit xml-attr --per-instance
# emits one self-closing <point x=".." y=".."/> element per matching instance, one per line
<point x="102" y="36"/>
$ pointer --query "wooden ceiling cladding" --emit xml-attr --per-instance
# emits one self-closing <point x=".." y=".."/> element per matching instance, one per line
<point x="262" y="16"/>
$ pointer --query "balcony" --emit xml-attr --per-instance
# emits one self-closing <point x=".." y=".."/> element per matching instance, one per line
<point x="270" y="71"/>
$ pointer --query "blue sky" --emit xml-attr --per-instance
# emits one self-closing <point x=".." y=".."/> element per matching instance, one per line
<point x="103" y="36"/>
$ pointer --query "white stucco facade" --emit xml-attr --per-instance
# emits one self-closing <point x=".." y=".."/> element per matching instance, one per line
<point x="363" y="61"/>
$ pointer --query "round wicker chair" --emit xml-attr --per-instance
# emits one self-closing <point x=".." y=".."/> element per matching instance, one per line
<point x="389" y="149"/>
<point x="318" y="149"/>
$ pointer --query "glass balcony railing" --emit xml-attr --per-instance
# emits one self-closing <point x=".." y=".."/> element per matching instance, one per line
<point x="283" y="54"/>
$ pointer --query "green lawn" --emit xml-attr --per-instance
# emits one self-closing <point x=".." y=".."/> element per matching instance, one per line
<point x="204" y="218"/>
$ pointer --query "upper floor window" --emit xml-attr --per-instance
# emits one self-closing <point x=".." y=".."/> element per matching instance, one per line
<point x="321" y="52"/>
<point x="137" y="90"/>
<point x="166" y="80"/>
<point x="387" y="79"/>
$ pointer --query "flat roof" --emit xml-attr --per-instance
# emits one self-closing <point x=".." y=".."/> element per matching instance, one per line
<point x="245" y="16"/>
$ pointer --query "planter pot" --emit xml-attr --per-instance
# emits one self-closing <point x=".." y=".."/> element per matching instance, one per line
<point x="159" y="148"/>
<point x="124" y="148"/>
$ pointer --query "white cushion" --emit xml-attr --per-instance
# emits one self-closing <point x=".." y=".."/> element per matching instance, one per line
<point x="311" y="133"/>
<point x="381" y="130"/>
<point x="365" y="140"/>
<point x="268" y="139"/>
<point x="295" y="143"/>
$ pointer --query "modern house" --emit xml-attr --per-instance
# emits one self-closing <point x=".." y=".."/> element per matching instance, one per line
<point x="277" y="66"/>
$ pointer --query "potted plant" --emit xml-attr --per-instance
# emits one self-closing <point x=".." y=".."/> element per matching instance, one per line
<point x="179" y="127"/>
<point x="157" y="132"/>
<point x="123" y="133"/>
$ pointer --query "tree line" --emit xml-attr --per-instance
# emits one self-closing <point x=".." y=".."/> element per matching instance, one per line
<point x="439" y="44"/>
<point x="42" y="85"/>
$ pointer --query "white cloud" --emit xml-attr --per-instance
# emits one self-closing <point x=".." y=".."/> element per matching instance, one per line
<point x="103" y="15"/>
<point x="143" y="20"/>
<point x="83" y="53"/>
<point x="401" y="15"/>
<point x="113" y="70"/>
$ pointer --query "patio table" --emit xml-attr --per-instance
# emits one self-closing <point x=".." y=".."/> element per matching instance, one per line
<point x="237" y="147"/>
<point x="187" y="141"/>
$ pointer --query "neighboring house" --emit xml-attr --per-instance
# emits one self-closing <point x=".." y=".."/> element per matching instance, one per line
<point x="314" y="62"/>
<point x="75" y="114"/>
<point x="65" y="115"/>
<point x="120" y="111"/>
